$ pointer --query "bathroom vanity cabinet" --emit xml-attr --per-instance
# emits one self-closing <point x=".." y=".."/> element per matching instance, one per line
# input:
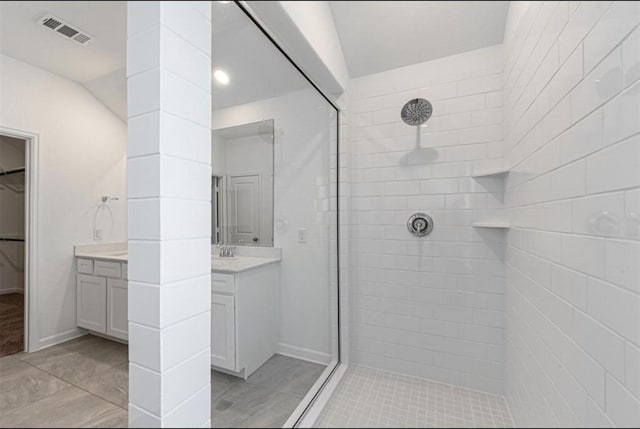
<point x="243" y="318"/>
<point x="244" y="313"/>
<point x="101" y="297"/>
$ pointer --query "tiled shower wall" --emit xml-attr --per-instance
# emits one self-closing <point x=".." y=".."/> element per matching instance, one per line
<point x="430" y="307"/>
<point x="572" y="117"/>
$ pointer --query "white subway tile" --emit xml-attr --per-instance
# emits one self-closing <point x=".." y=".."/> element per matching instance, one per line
<point x="621" y="158"/>
<point x="632" y="369"/>
<point x="583" y="138"/>
<point x="568" y="181"/>
<point x="622" y="407"/>
<point x="570" y="285"/>
<point x="184" y="339"/>
<point x="601" y="214"/>
<point x="600" y="85"/>
<point x="616" y="308"/>
<point x="612" y="27"/>
<point x="143" y="95"/>
<point x="189" y="22"/>
<point x="183" y="98"/>
<point x="493" y="99"/>
<point x="567" y="77"/>
<point x="141" y="16"/>
<point x="622" y="115"/>
<point x="622" y="267"/>
<point x="583" y="254"/>
<point x="464" y="104"/>
<point x="596" y="417"/>
<point x="185" y="379"/>
<point x="632" y="213"/>
<point x="194" y="412"/>
<point x="146" y="46"/>
<point x="479" y="85"/>
<point x="185" y="60"/>
<point x="600" y="342"/>
<point x="581" y="22"/>
<point x="631" y="58"/>
<point x="144" y="130"/>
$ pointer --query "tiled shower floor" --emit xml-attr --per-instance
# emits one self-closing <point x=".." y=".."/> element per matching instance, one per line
<point x="367" y="397"/>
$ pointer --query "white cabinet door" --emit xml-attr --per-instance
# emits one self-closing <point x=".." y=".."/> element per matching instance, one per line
<point x="223" y="331"/>
<point x="117" y="317"/>
<point x="91" y="295"/>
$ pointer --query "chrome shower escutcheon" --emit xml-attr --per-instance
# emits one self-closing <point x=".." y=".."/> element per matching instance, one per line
<point x="420" y="224"/>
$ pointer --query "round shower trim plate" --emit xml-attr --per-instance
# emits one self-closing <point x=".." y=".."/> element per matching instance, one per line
<point x="416" y="111"/>
<point x="420" y="224"/>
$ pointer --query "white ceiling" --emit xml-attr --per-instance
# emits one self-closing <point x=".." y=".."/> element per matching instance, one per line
<point x="257" y="69"/>
<point x="22" y="38"/>
<point x="376" y="36"/>
<point x="262" y="72"/>
<point x="383" y="35"/>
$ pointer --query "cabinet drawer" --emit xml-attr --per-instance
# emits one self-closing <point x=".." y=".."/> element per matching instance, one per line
<point x="125" y="271"/>
<point x="107" y="269"/>
<point x="223" y="283"/>
<point x="85" y="266"/>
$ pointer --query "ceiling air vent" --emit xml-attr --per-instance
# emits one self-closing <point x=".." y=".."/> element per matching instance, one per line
<point x="65" y="29"/>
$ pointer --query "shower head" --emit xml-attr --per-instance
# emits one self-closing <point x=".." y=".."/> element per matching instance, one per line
<point x="416" y="111"/>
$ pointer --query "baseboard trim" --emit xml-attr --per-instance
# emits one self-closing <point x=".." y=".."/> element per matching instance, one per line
<point x="61" y="338"/>
<point x="302" y="353"/>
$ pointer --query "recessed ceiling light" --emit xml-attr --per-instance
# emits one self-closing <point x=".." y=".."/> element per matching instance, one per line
<point x="221" y="76"/>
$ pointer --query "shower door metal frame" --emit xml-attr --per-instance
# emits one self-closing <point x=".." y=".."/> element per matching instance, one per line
<point x="246" y="10"/>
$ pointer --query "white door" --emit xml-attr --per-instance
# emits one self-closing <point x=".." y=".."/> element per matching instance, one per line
<point x="244" y="209"/>
<point x="117" y="316"/>
<point x="91" y="303"/>
<point x="223" y="331"/>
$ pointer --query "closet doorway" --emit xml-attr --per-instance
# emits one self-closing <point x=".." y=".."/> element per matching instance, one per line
<point x="12" y="241"/>
<point x="18" y="165"/>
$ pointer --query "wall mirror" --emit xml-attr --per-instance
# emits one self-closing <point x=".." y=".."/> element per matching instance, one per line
<point x="242" y="184"/>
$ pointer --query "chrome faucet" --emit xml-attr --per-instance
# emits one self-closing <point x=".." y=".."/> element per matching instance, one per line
<point x="227" y="251"/>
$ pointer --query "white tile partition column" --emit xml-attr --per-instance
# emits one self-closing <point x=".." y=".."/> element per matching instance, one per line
<point x="169" y="178"/>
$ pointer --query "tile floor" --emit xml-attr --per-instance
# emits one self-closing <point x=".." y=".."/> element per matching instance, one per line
<point x="84" y="383"/>
<point x="367" y="397"/>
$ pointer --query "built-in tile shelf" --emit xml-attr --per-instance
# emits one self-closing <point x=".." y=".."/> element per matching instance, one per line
<point x="498" y="172"/>
<point x="498" y="225"/>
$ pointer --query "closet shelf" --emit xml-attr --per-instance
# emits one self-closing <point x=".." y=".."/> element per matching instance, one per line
<point x="498" y="225"/>
<point x="12" y="171"/>
<point x="491" y="173"/>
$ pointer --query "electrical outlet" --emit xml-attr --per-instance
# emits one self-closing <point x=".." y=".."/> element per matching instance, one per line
<point x="97" y="234"/>
<point x="302" y="235"/>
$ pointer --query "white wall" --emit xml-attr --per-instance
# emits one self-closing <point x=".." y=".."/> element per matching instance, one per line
<point x="12" y="155"/>
<point x="429" y="307"/>
<point x="302" y="194"/>
<point x="572" y="118"/>
<point x="82" y="150"/>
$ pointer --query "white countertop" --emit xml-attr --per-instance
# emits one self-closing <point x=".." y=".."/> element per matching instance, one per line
<point x="239" y="263"/>
<point x="115" y="255"/>
<point x="223" y="265"/>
